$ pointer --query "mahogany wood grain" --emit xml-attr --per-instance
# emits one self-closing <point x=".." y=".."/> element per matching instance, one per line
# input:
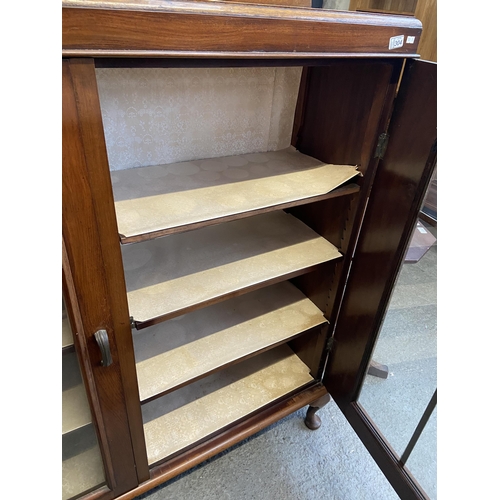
<point x="227" y="438"/>
<point x="90" y="234"/>
<point x="287" y="3"/>
<point x="245" y="61"/>
<point x="401" y="7"/>
<point x="401" y="181"/>
<point x="342" y="111"/>
<point x="375" y="116"/>
<point x="80" y="346"/>
<point x="298" y="119"/>
<point x="213" y="29"/>
<point x="312" y="420"/>
<point x="311" y="350"/>
<point x="397" y="192"/>
<point x="426" y="12"/>
<point x="316" y="284"/>
<point x="327" y="217"/>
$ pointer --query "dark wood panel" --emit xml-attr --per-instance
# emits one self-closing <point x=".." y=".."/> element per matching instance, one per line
<point x="316" y="285"/>
<point x="377" y="120"/>
<point x="91" y="237"/>
<point x="328" y="217"/>
<point x="80" y="346"/>
<point x="342" y="111"/>
<point x="206" y="28"/>
<point x="311" y="349"/>
<point x="401" y="180"/>
<point x="401" y="7"/>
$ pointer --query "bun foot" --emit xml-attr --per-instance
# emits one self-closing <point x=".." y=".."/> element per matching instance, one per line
<point x="312" y="420"/>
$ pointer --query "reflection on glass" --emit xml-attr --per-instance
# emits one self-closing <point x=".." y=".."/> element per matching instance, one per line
<point x="82" y="468"/>
<point x="407" y="345"/>
<point x="422" y="462"/>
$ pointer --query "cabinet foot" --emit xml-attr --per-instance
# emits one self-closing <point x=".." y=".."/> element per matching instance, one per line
<point x="312" y="420"/>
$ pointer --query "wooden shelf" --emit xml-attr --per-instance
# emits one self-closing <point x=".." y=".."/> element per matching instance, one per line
<point x="75" y="406"/>
<point x="158" y="200"/>
<point x="82" y="468"/>
<point x="170" y="276"/>
<point x="182" y="350"/>
<point x="198" y="410"/>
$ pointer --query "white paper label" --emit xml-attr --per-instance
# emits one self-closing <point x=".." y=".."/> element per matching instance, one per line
<point x="410" y="39"/>
<point x="396" y="42"/>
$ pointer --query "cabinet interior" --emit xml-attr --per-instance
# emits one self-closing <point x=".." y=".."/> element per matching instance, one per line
<point x="234" y="189"/>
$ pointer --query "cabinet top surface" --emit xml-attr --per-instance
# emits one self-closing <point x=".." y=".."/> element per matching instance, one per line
<point x="156" y="28"/>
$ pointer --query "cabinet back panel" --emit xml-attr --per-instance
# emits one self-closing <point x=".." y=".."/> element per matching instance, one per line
<point x="154" y="116"/>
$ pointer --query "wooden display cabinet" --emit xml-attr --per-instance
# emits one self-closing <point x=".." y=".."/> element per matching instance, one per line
<point x="212" y="296"/>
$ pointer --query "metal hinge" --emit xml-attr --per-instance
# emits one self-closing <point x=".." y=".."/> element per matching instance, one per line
<point x="383" y="139"/>
<point x="132" y="322"/>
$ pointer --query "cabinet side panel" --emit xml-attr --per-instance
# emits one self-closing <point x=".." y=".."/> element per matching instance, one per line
<point x="90" y="233"/>
<point x="342" y="109"/>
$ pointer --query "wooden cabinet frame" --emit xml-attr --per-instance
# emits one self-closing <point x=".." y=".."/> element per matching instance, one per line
<point x="350" y="73"/>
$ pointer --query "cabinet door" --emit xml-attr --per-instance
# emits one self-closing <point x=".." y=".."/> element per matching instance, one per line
<point x="82" y="462"/>
<point x="399" y="187"/>
<point x="92" y="261"/>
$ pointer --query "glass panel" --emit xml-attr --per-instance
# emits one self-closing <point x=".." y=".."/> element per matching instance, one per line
<point x="422" y="462"/>
<point x="407" y="345"/>
<point x="82" y="467"/>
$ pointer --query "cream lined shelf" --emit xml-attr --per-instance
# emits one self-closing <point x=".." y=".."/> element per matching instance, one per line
<point x="75" y="407"/>
<point x="184" y="349"/>
<point x="196" y="411"/>
<point x="170" y="276"/>
<point x="153" y="201"/>
<point x="82" y="472"/>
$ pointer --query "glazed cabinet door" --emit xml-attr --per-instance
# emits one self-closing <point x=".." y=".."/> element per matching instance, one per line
<point x="95" y="285"/>
<point x="403" y="173"/>
<point x="82" y="461"/>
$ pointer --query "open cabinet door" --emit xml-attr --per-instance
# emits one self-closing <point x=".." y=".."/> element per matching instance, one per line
<point x="96" y="288"/>
<point x="403" y="174"/>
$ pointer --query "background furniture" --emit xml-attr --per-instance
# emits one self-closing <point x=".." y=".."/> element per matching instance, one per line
<point x="208" y="298"/>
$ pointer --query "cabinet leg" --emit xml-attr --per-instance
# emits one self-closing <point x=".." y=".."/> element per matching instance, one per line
<point x="312" y="420"/>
